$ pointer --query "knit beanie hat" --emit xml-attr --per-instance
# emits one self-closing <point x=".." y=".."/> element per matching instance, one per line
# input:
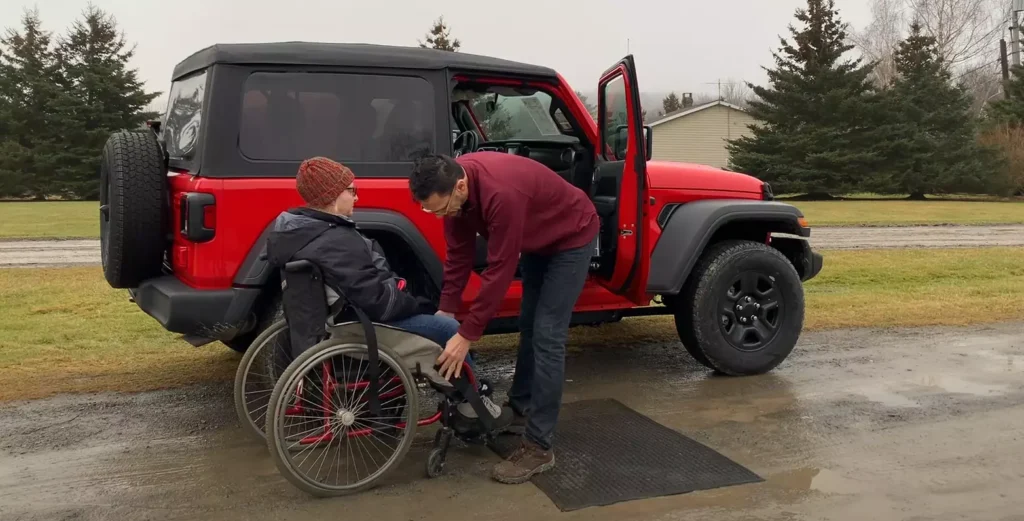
<point x="321" y="180"/>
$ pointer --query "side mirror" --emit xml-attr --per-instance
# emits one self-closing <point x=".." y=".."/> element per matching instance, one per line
<point x="621" y="140"/>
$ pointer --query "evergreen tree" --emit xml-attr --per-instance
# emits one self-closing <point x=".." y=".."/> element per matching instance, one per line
<point x="108" y="97"/>
<point x="29" y="90"/>
<point x="931" y="145"/>
<point x="591" y="108"/>
<point x="1010" y="109"/>
<point x="440" y="38"/>
<point x="818" y="117"/>
<point x="670" y="104"/>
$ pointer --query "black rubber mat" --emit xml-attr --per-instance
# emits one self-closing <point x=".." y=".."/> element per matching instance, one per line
<point x="606" y="453"/>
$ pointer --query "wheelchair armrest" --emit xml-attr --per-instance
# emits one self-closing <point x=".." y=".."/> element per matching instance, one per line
<point x="298" y="266"/>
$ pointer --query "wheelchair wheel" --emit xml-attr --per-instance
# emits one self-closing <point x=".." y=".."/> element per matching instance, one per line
<point x="263" y="363"/>
<point x="321" y="434"/>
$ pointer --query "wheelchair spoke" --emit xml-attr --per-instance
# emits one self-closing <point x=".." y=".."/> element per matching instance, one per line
<point x="333" y="410"/>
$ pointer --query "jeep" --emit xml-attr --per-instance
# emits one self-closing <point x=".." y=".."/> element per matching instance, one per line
<point x="186" y="204"/>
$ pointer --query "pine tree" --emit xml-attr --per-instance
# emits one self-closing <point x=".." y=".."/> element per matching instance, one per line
<point x="818" y="116"/>
<point x="670" y="104"/>
<point x="108" y="96"/>
<point x="591" y="108"/>
<point x="29" y="127"/>
<point x="1010" y="109"/>
<point x="931" y="144"/>
<point x="440" y="38"/>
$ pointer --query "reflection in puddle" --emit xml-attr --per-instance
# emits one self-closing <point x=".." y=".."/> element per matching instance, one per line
<point x="820" y="480"/>
<point x="888" y="398"/>
<point x="952" y="384"/>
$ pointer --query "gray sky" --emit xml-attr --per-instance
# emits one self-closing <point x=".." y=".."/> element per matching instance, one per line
<point x="679" y="45"/>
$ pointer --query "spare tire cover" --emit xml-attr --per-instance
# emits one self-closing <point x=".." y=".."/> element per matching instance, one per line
<point x="133" y="208"/>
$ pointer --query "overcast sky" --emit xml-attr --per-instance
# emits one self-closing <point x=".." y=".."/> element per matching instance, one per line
<point x="679" y="45"/>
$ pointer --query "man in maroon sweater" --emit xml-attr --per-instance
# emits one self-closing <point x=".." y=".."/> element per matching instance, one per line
<point x="533" y="218"/>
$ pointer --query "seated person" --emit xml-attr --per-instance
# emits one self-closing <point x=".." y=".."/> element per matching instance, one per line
<point x="353" y="265"/>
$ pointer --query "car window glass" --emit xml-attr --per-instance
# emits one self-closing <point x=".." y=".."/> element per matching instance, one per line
<point x="347" y="117"/>
<point x="614" y="113"/>
<point x="184" y="115"/>
<point x="518" y="117"/>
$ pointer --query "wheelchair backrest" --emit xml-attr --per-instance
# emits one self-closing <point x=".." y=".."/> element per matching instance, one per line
<point x="306" y="306"/>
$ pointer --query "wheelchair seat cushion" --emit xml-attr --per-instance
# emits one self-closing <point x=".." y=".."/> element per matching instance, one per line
<point x="417" y="353"/>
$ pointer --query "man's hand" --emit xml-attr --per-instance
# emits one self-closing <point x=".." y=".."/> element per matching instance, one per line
<point x="453" y="356"/>
<point x="445" y="314"/>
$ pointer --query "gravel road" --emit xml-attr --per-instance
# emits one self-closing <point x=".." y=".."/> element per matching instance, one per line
<point x="87" y="252"/>
<point x="884" y="425"/>
<point x="43" y="254"/>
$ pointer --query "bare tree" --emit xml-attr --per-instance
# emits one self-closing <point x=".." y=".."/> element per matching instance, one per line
<point x="985" y="84"/>
<point x="737" y="92"/>
<point x="966" y="31"/>
<point x="878" y="41"/>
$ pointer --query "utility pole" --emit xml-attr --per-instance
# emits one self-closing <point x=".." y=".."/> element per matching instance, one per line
<point x="1016" y="7"/>
<point x="1004" y="65"/>
<point x="1003" y="62"/>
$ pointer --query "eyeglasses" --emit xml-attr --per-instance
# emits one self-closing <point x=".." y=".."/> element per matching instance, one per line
<point x="351" y="189"/>
<point x="451" y="196"/>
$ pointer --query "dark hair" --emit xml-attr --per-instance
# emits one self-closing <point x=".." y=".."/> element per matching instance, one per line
<point x="434" y="174"/>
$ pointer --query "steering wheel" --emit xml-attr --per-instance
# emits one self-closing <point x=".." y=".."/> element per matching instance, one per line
<point x="471" y="141"/>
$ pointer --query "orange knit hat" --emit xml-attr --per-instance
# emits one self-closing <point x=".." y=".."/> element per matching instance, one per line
<point x="321" y="180"/>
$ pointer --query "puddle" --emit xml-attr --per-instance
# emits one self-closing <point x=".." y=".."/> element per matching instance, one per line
<point x="886" y="397"/>
<point x="820" y="480"/>
<point x="956" y="385"/>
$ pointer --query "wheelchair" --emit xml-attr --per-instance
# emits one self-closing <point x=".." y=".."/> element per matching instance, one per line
<point x="341" y="415"/>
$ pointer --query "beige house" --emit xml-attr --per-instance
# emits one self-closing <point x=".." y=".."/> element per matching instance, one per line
<point x="699" y="134"/>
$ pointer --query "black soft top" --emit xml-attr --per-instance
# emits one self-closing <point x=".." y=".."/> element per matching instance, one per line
<point x="350" y="54"/>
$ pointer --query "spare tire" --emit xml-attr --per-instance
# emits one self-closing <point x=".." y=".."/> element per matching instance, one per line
<point x="133" y="208"/>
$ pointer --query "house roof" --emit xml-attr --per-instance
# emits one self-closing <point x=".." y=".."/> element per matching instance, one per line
<point x="350" y="54"/>
<point x="690" y="110"/>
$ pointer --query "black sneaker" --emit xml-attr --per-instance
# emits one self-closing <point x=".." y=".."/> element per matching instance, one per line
<point x="518" y="423"/>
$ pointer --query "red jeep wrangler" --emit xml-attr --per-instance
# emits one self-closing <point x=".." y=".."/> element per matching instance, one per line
<point x="185" y="208"/>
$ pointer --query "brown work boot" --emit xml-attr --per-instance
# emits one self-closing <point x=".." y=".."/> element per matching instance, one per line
<point x="526" y="461"/>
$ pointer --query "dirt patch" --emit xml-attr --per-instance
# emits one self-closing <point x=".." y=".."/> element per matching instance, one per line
<point x="898" y="424"/>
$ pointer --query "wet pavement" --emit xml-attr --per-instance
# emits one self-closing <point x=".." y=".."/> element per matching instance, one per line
<point x="900" y="424"/>
<point x="47" y="253"/>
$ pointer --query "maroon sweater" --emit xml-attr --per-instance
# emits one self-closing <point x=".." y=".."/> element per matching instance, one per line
<point x="519" y="206"/>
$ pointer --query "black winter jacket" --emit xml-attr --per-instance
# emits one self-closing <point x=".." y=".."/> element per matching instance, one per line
<point x="353" y="265"/>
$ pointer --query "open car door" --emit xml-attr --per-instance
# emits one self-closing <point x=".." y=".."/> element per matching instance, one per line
<point x="625" y="147"/>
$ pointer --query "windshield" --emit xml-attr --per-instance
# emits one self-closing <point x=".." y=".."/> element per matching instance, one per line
<point x="505" y="117"/>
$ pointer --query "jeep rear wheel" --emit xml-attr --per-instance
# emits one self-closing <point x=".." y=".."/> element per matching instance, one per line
<point x="133" y="186"/>
<point x="743" y="311"/>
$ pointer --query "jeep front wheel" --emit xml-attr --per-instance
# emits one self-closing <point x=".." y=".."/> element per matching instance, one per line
<point x="742" y="311"/>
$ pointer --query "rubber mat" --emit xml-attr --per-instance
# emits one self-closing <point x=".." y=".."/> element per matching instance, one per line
<point x="606" y="453"/>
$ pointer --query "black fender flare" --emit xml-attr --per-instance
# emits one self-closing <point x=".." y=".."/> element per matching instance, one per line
<point x="687" y="229"/>
<point x="255" y="270"/>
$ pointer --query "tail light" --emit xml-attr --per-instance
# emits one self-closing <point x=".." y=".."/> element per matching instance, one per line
<point x="198" y="216"/>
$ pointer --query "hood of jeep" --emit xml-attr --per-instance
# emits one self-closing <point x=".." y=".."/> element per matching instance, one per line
<point x="688" y="176"/>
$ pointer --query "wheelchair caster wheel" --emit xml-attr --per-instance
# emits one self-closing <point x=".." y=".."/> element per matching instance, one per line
<point x="435" y="463"/>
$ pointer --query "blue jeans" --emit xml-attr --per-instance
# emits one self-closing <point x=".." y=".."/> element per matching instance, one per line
<point x="551" y="286"/>
<point x="436" y="328"/>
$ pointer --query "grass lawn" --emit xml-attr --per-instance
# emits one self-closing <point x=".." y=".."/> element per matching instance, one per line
<point x="50" y="220"/>
<point x="906" y="213"/>
<point x="65" y="330"/>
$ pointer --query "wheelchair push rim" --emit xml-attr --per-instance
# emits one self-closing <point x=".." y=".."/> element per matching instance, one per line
<point x="255" y="378"/>
<point x="341" y="448"/>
